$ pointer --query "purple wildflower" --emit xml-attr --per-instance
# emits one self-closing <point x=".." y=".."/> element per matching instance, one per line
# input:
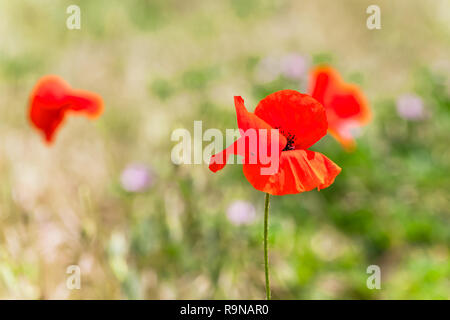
<point x="410" y="107"/>
<point x="294" y="66"/>
<point x="137" y="178"/>
<point x="241" y="213"/>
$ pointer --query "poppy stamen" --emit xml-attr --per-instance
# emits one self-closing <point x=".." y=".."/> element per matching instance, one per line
<point x="290" y="145"/>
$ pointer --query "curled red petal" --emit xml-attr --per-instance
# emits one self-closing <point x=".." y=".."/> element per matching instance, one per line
<point x="299" y="171"/>
<point x="343" y="134"/>
<point x="47" y="121"/>
<point x="296" y="114"/>
<point x="219" y="160"/>
<point x="345" y="104"/>
<point x="52" y="97"/>
<point x="86" y="102"/>
<point x="257" y="138"/>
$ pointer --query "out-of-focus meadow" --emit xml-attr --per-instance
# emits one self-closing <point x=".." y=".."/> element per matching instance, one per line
<point x="189" y="233"/>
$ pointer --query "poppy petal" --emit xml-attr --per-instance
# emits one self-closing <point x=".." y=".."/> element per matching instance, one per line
<point x="343" y="134"/>
<point x="52" y="97"/>
<point x="299" y="171"/>
<point x="87" y="102"/>
<point x="47" y="120"/>
<point x="219" y="160"/>
<point x="345" y="104"/>
<point x="252" y="142"/>
<point x="297" y="115"/>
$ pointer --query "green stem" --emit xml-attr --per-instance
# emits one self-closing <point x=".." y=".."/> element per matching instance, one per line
<point x="266" y="255"/>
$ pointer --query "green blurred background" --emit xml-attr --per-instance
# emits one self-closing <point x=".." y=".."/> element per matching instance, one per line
<point x="160" y="65"/>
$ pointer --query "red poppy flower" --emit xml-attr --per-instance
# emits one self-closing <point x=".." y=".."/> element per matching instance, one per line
<point x="345" y="104"/>
<point x="52" y="98"/>
<point x="301" y="122"/>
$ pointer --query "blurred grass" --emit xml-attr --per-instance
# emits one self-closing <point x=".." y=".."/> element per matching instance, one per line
<point x="160" y="65"/>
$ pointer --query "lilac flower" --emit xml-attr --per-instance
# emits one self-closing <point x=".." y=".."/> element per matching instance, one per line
<point x="294" y="66"/>
<point x="410" y="107"/>
<point x="269" y="69"/>
<point x="241" y="213"/>
<point x="137" y="178"/>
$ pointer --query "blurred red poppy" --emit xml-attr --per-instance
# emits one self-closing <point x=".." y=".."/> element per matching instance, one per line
<point x="52" y="98"/>
<point x="301" y="122"/>
<point x="345" y="104"/>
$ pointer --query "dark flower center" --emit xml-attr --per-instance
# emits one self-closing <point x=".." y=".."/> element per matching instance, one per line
<point x="290" y="145"/>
